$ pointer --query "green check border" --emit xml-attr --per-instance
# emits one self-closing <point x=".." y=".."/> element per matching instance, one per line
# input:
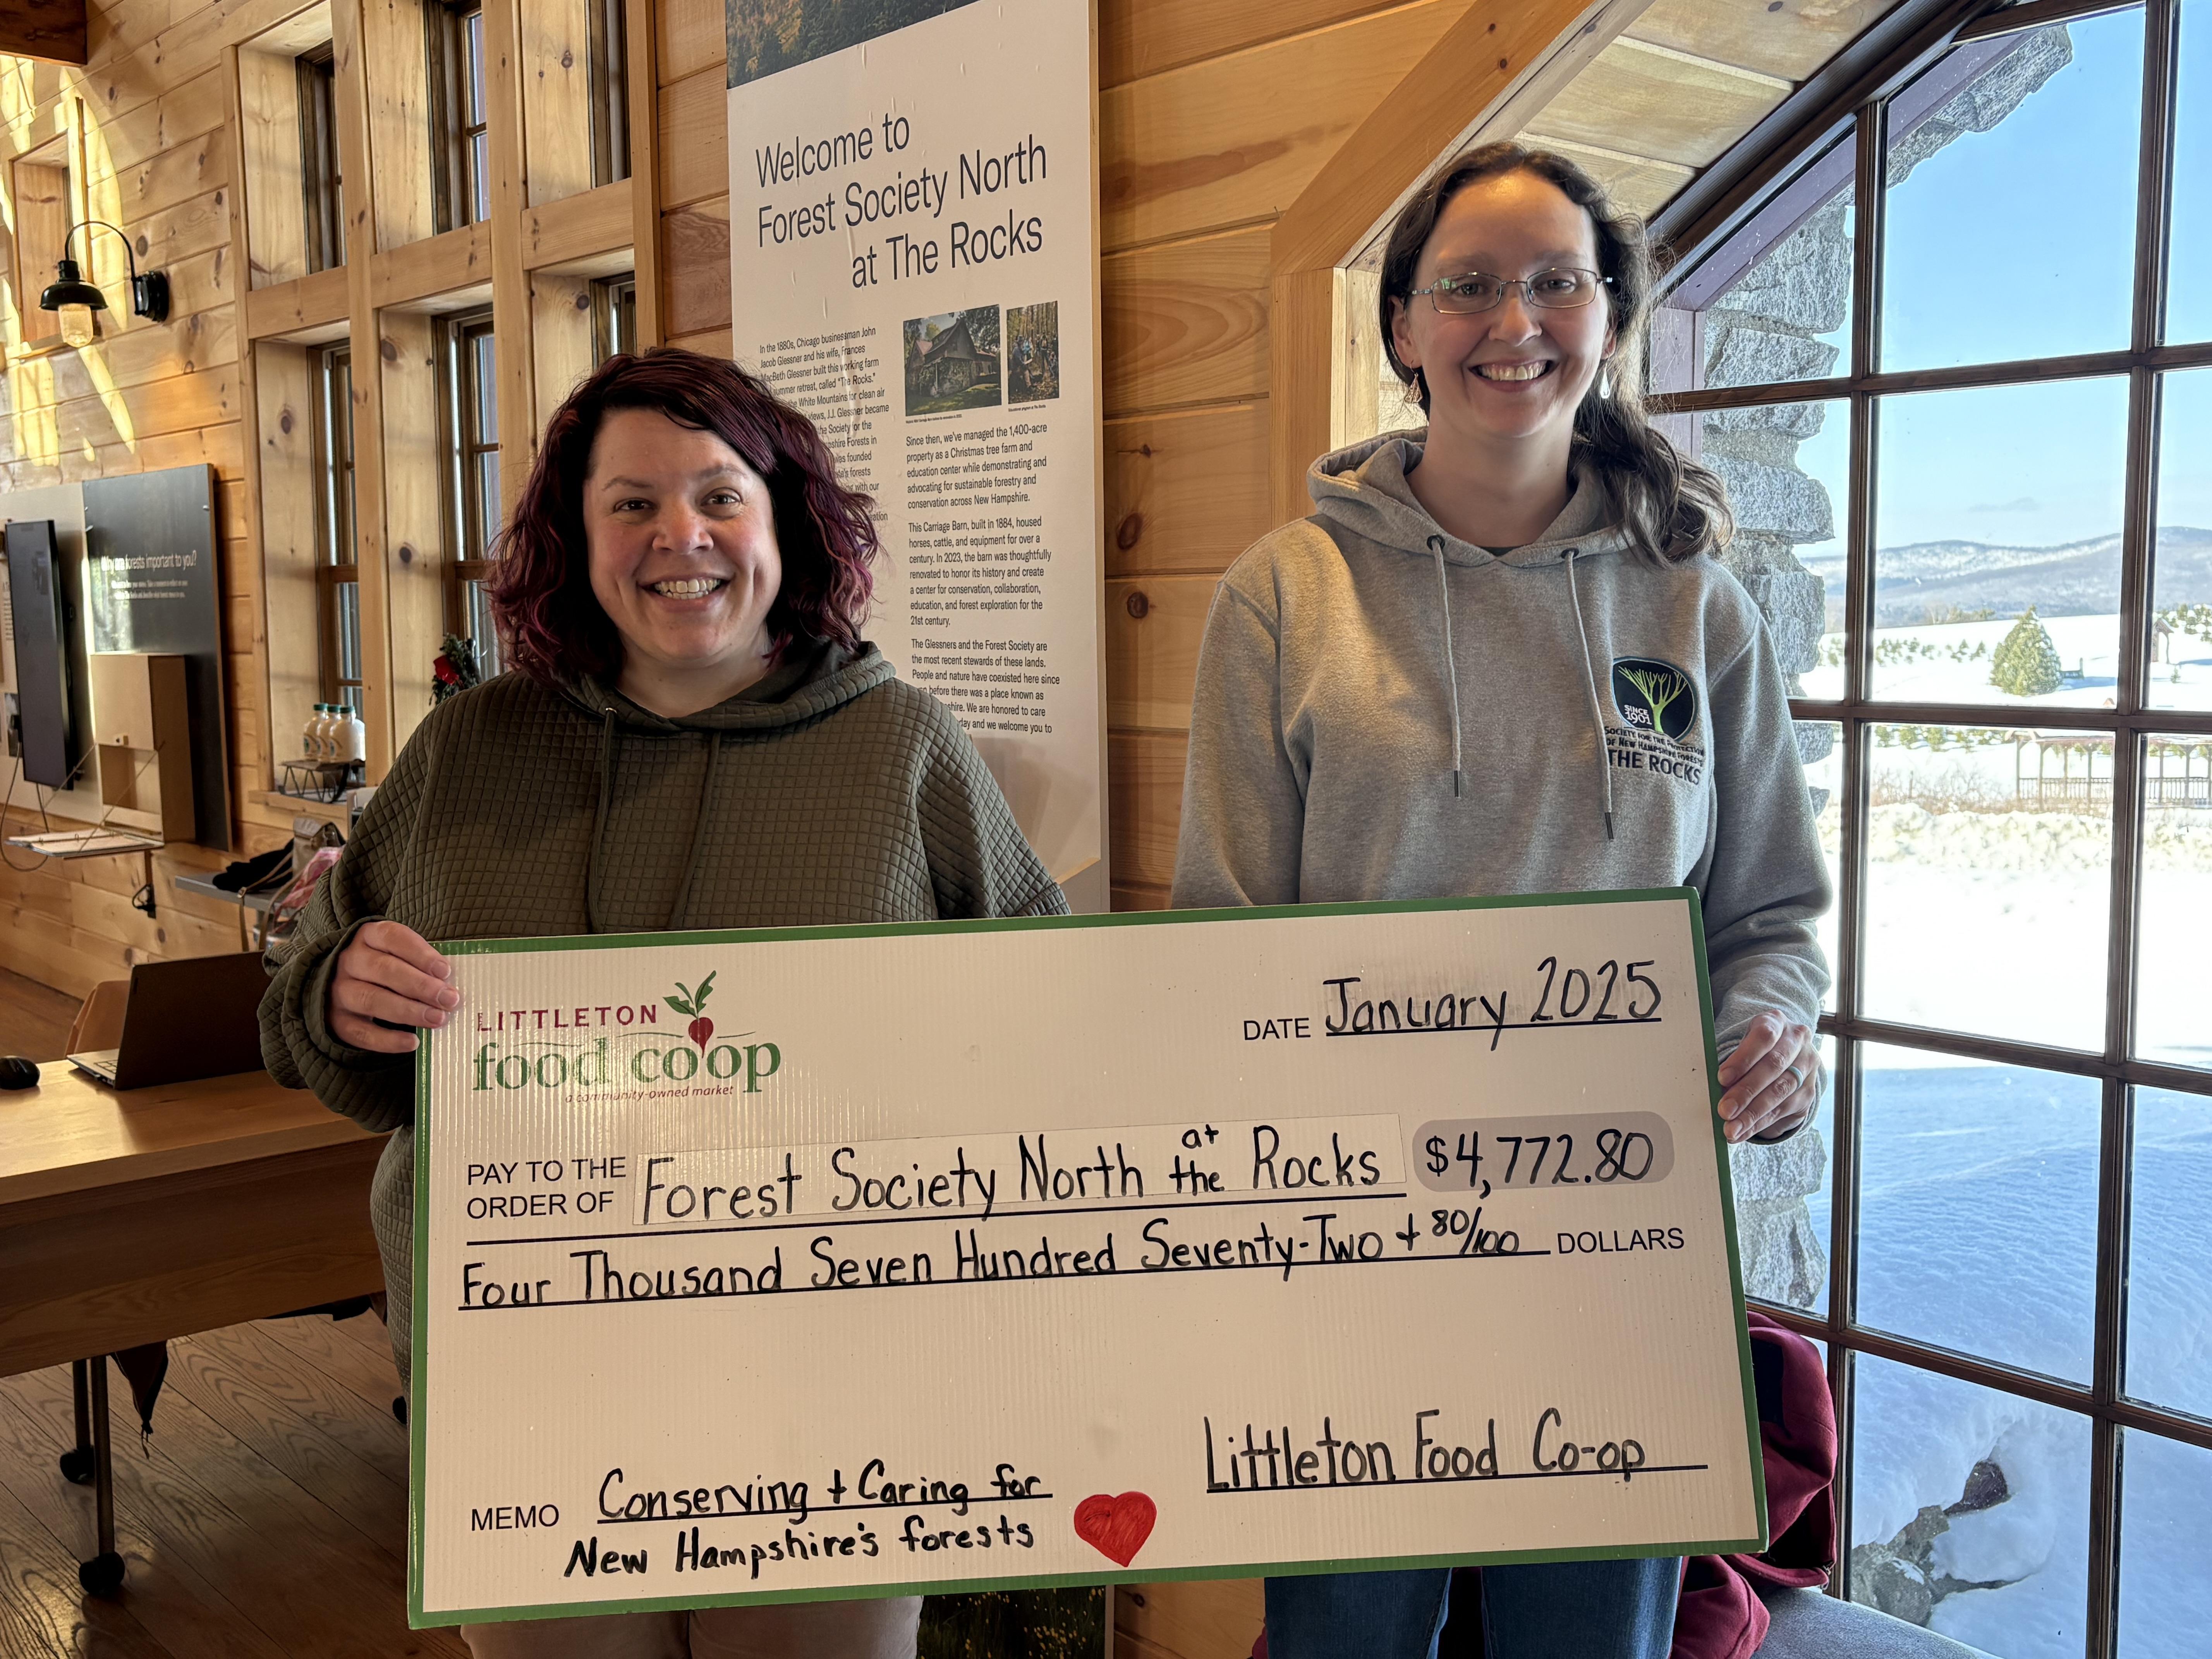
<point x="418" y="1413"/>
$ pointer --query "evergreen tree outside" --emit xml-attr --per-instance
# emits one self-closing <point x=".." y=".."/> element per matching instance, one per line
<point x="2027" y="663"/>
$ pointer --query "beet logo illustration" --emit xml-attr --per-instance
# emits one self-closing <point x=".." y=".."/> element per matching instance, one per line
<point x="693" y="1003"/>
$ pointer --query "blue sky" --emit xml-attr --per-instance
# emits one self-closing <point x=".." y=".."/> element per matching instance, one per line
<point x="2018" y="243"/>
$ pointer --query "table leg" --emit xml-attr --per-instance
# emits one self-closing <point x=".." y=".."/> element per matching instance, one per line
<point x="103" y="1574"/>
<point x="77" y="1461"/>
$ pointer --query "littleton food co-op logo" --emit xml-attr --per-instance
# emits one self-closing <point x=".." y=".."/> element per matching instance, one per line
<point x="549" y="1048"/>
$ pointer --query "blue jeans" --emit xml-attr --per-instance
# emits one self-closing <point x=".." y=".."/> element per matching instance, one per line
<point x="1550" y="1610"/>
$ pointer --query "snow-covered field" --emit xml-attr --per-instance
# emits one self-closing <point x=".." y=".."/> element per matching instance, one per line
<point x="1950" y="663"/>
<point x="1978" y="1231"/>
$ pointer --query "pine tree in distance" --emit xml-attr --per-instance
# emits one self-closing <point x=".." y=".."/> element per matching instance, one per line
<point x="2027" y="663"/>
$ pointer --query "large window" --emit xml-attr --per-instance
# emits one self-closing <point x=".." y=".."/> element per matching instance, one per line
<point x="461" y="140"/>
<point x="471" y="413"/>
<point x="337" y="576"/>
<point x="1955" y="366"/>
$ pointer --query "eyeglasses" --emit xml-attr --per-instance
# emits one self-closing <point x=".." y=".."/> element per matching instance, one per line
<point x="1564" y="289"/>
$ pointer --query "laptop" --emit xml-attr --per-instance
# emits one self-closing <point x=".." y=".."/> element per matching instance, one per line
<point x="197" y="1017"/>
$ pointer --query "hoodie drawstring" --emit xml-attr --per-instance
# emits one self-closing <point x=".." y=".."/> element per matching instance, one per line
<point x="698" y="830"/>
<point x="600" y="820"/>
<point x="1451" y="663"/>
<point x="1589" y="683"/>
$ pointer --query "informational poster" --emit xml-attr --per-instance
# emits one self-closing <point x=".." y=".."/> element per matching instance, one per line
<point x="785" y="1265"/>
<point x="914" y="264"/>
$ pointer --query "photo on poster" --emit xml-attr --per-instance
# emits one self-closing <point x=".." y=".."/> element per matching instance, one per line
<point x="768" y="36"/>
<point x="952" y="361"/>
<point x="1033" y="353"/>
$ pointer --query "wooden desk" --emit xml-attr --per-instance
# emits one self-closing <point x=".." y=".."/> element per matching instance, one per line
<point x="133" y="1217"/>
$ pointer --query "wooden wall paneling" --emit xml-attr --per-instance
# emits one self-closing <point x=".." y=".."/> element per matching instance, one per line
<point x="1147" y="37"/>
<point x="310" y="302"/>
<point x="642" y="52"/>
<point x="693" y="124"/>
<point x="174" y="234"/>
<point x="271" y="171"/>
<point x="118" y="142"/>
<point x="696" y="243"/>
<point x="393" y="62"/>
<point x="351" y="96"/>
<point x="416" y="461"/>
<point x="710" y="342"/>
<point x="174" y="177"/>
<point x="689" y="36"/>
<point x="1186" y="322"/>
<point x="52" y="29"/>
<point x="1219" y="142"/>
<point x="1185" y="492"/>
<point x="129" y="414"/>
<point x="281" y="469"/>
<point x="1145" y="771"/>
<point x="1153" y="626"/>
<point x="561" y="338"/>
<point x="576" y="227"/>
<point x="419" y="271"/>
<point x="555" y="54"/>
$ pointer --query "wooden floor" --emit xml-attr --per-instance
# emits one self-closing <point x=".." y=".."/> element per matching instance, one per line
<point x="266" y="1516"/>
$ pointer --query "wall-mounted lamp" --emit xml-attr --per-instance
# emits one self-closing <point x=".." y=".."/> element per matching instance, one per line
<point x="76" y="299"/>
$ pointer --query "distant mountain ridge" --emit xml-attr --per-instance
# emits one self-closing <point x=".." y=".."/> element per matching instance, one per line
<point x="2075" y="579"/>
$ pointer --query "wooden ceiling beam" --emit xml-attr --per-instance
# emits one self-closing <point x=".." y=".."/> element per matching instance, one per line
<point x="52" y="29"/>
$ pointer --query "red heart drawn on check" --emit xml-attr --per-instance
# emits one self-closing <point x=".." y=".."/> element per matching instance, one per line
<point x="1115" y="1527"/>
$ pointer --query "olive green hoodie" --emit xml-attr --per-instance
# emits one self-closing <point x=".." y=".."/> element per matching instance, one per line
<point x="830" y="793"/>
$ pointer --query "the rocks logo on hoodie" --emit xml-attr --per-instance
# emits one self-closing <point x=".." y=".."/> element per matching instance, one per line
<point x="1658" y="704"/>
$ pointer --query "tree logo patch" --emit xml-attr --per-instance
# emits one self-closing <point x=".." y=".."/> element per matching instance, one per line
<point x="1653" y="697"/>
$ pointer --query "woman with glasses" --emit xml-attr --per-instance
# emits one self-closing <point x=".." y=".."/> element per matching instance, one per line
<point x="1500" y="657"/>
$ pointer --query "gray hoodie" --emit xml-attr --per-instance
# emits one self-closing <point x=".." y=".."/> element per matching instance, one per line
<point x="1384" y="712"/>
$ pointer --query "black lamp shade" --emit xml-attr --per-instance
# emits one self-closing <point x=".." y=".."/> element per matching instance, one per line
<point x="70" y="289"/>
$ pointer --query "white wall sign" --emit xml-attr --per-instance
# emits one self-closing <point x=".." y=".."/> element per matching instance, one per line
<point x="788" y="1265"/>
<point x="914" y="264"/>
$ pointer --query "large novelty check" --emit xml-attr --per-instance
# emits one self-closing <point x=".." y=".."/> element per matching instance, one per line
<point x="788" y="1265"/>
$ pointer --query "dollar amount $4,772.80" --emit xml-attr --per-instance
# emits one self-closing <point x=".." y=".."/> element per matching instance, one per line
<point x="1597" y="1148"/>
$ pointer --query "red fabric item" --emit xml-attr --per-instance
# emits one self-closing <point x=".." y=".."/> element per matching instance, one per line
<point x="1720" y="1615"/>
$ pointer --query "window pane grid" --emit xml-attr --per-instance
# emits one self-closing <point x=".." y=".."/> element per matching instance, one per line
<point x="2130" y="1044"/>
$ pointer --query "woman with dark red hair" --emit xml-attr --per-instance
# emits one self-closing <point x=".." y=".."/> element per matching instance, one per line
<point x="696" y="737"/>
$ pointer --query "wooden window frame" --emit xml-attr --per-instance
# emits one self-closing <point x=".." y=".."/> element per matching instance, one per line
<point x="461" y="479"/>
<point x="614" y="316"/>
<point x="453" y="133"/>
<point x="609" y="61"/>
<point x="332" y="452"/>
<point x="322" y="185"/>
